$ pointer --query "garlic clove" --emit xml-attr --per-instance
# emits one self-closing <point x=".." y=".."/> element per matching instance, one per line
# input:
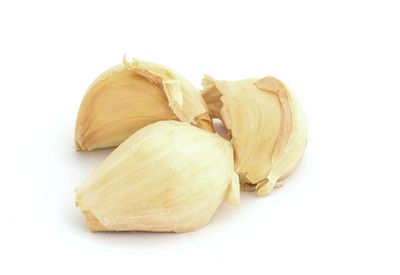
<point x="266" y="125"/>
<point x="132" y="95"/>
<point x="168" y="177"/>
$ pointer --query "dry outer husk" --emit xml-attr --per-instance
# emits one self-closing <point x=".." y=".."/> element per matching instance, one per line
<point x="132" y="95"/>
<point x="167" y="177"/>
<point x="267" y="128"/>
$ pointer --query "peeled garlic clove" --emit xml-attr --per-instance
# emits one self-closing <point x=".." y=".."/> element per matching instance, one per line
<point x="168" y="176"/>
<point x="266" y="125"/>
<point x="132" y="95"/>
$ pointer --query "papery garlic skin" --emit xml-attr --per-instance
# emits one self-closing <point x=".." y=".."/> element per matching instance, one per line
<point x="167" y="177"/>
<point x="267" y="128"/>
<point x="132" y="95"/>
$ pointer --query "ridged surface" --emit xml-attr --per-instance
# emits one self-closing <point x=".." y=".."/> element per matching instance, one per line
<point x="266" y="125"/>
<point x="168" y="176"/>
<point x="132" y="95"/>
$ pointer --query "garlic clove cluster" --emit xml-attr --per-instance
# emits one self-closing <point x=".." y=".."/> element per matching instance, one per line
<point x="171" y="171"/>
<point x="167" y="177"/>
<point x="132" y="95"/>
<point x="267" y="128"/>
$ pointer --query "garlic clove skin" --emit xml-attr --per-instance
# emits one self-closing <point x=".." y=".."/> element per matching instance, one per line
<point x="128" y="97"/>
<point x="267" y="128"/>
<point x="167" y="177"/>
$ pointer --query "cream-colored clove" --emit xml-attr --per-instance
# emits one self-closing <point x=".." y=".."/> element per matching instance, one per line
<point x="167" y="177"/>
<point x="267" y="128"/>
<point x="132" y="95"/>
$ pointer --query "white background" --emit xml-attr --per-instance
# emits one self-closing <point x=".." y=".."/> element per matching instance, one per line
<point x="338" y="214"/>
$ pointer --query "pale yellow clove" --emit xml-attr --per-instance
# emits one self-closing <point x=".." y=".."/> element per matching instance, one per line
<point x="167" y="177"/>
<point x="132" y="95"/>
<point x="267" y="128"/>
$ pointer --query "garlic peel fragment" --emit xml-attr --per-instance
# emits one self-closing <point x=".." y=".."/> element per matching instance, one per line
<point x="183" y="98"/>
<point x="233" y="192"/>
